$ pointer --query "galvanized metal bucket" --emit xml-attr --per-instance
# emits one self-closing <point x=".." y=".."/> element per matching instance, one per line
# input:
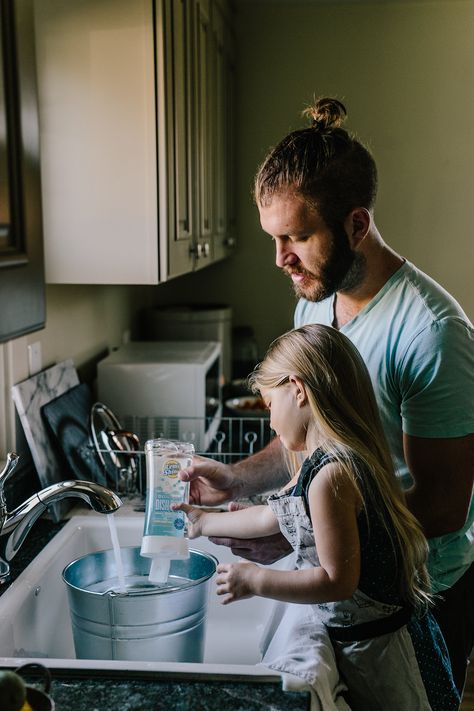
<point x="146" y="622"/>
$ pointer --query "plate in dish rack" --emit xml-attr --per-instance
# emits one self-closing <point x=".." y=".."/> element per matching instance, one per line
<point x="247" y="406"/>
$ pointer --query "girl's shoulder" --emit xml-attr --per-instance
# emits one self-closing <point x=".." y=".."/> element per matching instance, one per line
<point x="311" y="467"/>
<point x="333" y="473"/>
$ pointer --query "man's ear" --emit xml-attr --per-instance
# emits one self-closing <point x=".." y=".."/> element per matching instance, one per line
<point x="357" y="225"/>
<point x="299" y="389"/>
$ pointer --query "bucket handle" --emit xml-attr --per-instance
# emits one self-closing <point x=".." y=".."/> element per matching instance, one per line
<point x="33" y="667"/>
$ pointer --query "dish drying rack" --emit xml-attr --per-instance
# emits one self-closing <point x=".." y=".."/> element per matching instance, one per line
<point x="235" y="439"/>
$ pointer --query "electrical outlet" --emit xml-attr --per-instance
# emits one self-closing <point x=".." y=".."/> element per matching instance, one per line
<point x="34" y="358"/>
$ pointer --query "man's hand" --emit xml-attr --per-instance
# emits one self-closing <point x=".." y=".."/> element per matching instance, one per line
<point x="210" y="482"/>
<point x="213" y="483"/>
<point x="265" y="550"/>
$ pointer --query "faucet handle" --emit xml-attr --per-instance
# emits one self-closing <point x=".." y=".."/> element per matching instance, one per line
<point x="12" y="461"/>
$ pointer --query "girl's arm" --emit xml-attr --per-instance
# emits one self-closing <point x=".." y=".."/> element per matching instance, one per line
<point x="252" y="522"/>
<point x="334" y="505"/>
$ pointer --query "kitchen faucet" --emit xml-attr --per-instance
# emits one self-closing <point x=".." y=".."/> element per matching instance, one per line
<point x="15" y="525"/>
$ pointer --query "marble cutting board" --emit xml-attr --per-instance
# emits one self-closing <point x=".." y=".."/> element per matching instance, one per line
<point x="29" y="397"/>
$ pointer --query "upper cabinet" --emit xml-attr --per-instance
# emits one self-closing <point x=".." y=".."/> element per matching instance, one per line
<point x="21" y="247"/>
<point x="199" y="81"/>
<point x="136" y="138"/>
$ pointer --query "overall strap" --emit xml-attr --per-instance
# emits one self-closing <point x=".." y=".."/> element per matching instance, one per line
<point x="310" y="468"/>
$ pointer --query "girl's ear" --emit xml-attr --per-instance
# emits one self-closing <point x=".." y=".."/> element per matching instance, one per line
<point x="300" y="390"/>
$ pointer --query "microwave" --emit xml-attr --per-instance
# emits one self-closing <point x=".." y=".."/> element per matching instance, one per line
<point x="169" y="389"/>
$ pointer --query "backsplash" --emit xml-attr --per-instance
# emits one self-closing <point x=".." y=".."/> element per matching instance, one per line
<point x="24" y="481"/>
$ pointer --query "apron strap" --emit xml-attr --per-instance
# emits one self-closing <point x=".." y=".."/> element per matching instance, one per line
<point x="374" y="628"/>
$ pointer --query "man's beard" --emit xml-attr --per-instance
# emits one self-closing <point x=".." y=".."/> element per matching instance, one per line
<point x="343" y="270"/>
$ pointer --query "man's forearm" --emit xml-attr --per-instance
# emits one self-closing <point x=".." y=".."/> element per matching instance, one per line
<point x="263" y="471"/>
<point x="442" y="472"/>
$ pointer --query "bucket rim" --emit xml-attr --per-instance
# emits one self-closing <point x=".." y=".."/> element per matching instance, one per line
<point x="146" y="591"/>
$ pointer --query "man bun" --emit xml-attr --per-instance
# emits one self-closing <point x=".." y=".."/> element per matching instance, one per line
<point x="326" y="113"/>
<point x="323" y="163"/>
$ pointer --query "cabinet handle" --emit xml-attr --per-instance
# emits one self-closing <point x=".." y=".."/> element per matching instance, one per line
<point x="229" y="242"/>
<point x="200" y="249"/>
<point x="197" y="250"/>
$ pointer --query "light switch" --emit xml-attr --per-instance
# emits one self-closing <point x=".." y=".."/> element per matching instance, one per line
<point x="34" y="358"/>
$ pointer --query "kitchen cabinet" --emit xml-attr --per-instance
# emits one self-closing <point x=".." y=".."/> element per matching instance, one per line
<point x="135" y="137"/>
<point x="224" y="77"/>
<point x="198" y="104"/>
<point x="21" y="245"/>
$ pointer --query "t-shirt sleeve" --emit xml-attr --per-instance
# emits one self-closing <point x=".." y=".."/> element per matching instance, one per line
<point x="437" y="381"/>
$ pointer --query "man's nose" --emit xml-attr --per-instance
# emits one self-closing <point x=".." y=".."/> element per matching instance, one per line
<point x="284" y="256"/>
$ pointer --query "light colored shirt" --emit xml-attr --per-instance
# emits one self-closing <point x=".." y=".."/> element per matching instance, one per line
<point x="418" y="346"/>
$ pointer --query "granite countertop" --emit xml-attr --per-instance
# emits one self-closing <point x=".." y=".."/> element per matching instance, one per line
<point x="91" y="690"/>
<point x="96" y="691"/>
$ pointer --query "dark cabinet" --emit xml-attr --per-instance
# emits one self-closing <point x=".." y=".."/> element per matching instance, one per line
<point x="22" y="299"/>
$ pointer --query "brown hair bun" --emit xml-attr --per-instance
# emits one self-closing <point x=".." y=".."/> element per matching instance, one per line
<point x="326" y="114"/>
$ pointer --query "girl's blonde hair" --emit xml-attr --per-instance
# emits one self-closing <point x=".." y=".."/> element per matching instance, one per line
<point x="346" y="415"/>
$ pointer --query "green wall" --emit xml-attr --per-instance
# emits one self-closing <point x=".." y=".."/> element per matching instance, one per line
<point x="405" y="72"/>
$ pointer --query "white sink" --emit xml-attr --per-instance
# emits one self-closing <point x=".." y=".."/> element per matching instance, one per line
<point x="34" y="612"/>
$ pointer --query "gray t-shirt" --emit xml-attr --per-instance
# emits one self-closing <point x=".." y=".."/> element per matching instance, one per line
<point x="418" y="346"/>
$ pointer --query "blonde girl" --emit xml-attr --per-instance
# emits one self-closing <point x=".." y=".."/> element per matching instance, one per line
<point x="360" y="554"/>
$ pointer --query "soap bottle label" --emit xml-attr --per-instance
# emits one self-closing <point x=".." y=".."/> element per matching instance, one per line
<point x="170" y="490"/>
<point x="164" y="461"/>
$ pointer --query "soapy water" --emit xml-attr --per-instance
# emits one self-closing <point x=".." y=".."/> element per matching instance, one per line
<point x="136" y="584"/>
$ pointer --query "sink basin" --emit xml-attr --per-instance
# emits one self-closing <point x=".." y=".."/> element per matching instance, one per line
<point x="34" y="611"/>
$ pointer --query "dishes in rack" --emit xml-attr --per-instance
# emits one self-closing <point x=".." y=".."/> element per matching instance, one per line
<point x="247" y="406"/>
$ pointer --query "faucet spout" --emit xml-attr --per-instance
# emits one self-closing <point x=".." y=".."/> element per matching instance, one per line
<point x="15" y="525"/>
<point x="98" y="497"/>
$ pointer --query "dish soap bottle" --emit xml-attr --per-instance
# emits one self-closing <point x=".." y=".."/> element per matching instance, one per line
<point x="163" y="534"/>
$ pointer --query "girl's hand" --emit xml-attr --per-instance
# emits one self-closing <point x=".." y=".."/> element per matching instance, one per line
<point x="236" y="581"/>
<point x="195" y="516"/>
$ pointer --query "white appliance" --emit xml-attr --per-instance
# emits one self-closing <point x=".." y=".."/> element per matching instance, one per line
<point x="165" y="389"/>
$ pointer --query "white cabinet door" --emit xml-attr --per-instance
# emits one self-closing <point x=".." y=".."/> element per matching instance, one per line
<point x="135" y="122"/>
<point x="198" y="128"/>
<point x="203" y="110"/>
<point x="224" y="116"/>
<point x="175" y="114"/>
<point x="96" y="84"/>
